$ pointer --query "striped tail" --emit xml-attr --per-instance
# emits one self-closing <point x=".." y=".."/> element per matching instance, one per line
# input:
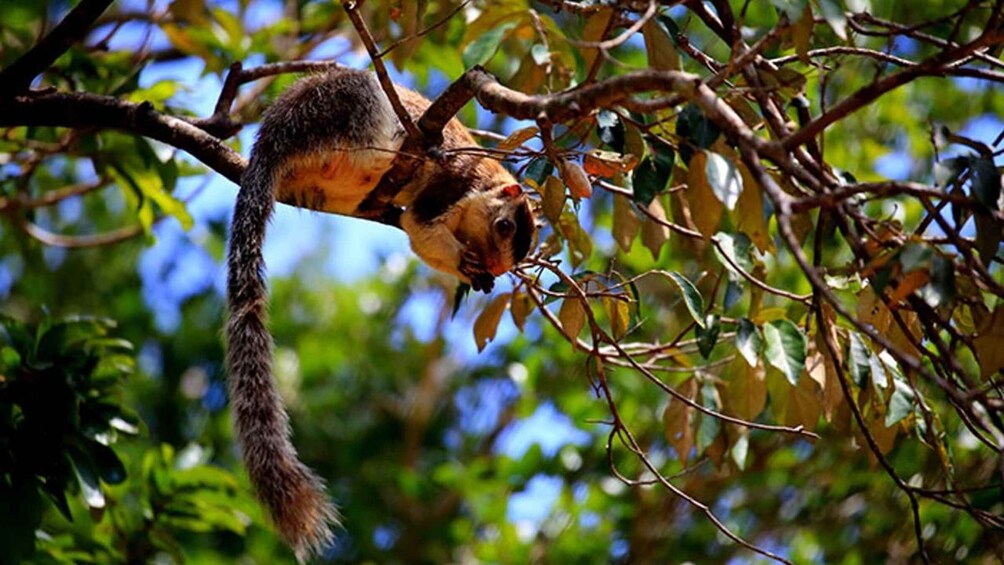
<point x="293" y="494"/>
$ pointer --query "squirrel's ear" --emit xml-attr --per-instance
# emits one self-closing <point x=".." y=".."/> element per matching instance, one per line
<point x="512" y="190"/>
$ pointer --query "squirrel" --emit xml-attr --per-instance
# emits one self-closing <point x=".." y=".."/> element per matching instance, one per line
<point x="324" y="144"/>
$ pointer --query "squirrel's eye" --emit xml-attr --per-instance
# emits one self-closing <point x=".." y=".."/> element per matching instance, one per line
<point x="504" y="227"/>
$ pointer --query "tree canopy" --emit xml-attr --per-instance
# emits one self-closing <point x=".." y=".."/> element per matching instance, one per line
<point x="764" y="322"/>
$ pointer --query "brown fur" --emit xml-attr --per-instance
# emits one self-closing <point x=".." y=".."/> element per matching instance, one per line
<point x="324" y="145"/>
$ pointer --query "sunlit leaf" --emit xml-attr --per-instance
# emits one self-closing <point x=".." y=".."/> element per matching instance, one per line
<point x="748" y="341"/>
<point x="724" y="179"/>
<point x="691" y="297"/>
<point x="481" y="50"/>
<point x="517" y="138"/>
<point x="610" y="130"/>
<point x="707" y="335"/>
<point x="785" y="348"/>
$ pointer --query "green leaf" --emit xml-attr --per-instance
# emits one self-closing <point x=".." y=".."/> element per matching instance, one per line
<point x="21" y="508"/>
<point x="785" y="348"/>
<point x="986" y="182"/>
<point x="739" y="451"/>
<point x="707" y="336"/>
<point x="647" y="181"/>
<point x="649" y="178"/>
<point x="107" y="463"/>
<point x="709" y="426"/>
<point x="696" y="131"/>
<point x="691" y="297"/>
<point x="901" y="402"/>
<point x="834" y="15"/>
<point x="538" y="170"/>
<point x="748" y="341"/>
<point x="947" y="170"/>
<point x="481" y="50"/>
<point x="858" y="360"/>
<point x="737" y="247"/>
<point x="724" y="178"/>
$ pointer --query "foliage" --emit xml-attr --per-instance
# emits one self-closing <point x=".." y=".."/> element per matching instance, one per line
<point x="765" y="314"/>
<point x="60" y="395"/>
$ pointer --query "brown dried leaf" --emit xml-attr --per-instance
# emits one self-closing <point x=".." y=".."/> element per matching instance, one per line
<point x="653" y="234"/>
<point x="607" y="163"/>
<point x="626" y="223"/>
<point x="488" y="320"/>
<point x="705" y="208"/>
<point x="989" y="345"/>
<point x="576" y="179"/>
<point x="678" y="421"/>
<point x="517" y="138"/>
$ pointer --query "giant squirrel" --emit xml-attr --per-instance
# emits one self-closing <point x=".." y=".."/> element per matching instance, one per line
<point x="325" y="144"/>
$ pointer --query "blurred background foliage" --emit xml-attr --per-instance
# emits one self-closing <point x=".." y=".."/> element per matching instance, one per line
<point x="115" y="442"/>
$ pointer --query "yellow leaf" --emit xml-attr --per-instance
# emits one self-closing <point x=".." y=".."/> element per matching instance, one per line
<point x="705" y="208"/>
<point x="520" y="308"/>
<point x="619" y="312"/>
<point x="653" y="234"/>
<point x="661" y="52"/>
<point x="517" y="138"/>
<point x="678" y="421"/>
<point x="488" y="321"/>
<point x="802" y="33"/>
<point x="815" y="367"/>
<point x="182" y="41"/>
<point x="553" y="201"/>
<point x="872" y="311"/>
<point x="494" y="15"/>
<point x="749" y="215"/>
<point x="572" y="316"/>
<point x="634" y="143"/>
<point x="769" y="315"/>
<point x="745" y="393"/>
<point x="626" y="223"/>
<point x="190" y="11"/>
<point x="989" y="345"/>
<point x="593" y="31"/>
<point x="804" y="404"/>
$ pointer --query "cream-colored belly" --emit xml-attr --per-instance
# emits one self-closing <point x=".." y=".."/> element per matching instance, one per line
<point x="334" y="181"/>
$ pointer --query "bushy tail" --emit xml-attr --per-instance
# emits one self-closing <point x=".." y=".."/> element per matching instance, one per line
<point x="294" y="495"/>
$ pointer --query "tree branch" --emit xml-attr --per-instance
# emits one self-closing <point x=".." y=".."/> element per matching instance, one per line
<point x="17" y="77"/>
<point x="78" y="110"/>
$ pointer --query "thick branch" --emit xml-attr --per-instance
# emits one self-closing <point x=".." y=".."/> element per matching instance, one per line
<point x="17" y="77"/>
<point x="77" y="110"/>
